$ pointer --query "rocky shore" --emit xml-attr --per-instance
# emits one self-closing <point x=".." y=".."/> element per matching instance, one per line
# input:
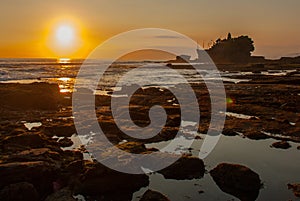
<point x="35" y="165"/>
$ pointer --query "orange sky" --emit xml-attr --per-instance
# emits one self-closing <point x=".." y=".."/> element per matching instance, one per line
<point x="28" y="28"/>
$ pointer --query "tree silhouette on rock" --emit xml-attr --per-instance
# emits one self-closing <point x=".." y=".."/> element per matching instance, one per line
<point x="232" y="50"/>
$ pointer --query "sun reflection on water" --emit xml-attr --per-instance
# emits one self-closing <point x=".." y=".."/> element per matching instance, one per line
<point x="64" y="60"/>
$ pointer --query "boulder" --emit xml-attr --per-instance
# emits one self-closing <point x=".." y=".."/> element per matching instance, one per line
<point x="151" y="195"/>
<point x="60" y="130"/>
<point x="281" y="145"/>
<point x="35" y="96"/>
<point x="187" y="167"/>
<point x="65" y="142"/>
<point x="22" y="191"/>
<point x="39" y="173"/>
<point x="64" y="194"/>
<point x="295" y="188"/>
<point x="100" y="180"/>
<point x="237" y="180"/>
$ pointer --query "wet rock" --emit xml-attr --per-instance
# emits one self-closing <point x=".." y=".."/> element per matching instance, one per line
<point x="39" y="154"/>
<point x="281" y="145"/>
<point x="151" y="195"/>
<point x="256" y="135"/>
<point x="187" y="167"/>
<point x="65" y="142"/>
<point x="60" y="130"/>
<point x="23" y="141"/>
<point x="237" y="180"/>
<point x="295" y="188"/>
<point x="30" y="172"/>
<point x="133" y="147"/>
<point x="75" y="167"/>
<point x="64" y="194"/>
<point x="100" y="180"/>
<point x="198" y="137"/>
<point x="229" y="132"/>
<point x="22" y="191"/>
<point x="42" y="96"/>
<point x="298" y="147"/>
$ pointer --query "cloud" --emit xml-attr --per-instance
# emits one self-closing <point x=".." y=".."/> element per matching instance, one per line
<point x="167" y="36"/>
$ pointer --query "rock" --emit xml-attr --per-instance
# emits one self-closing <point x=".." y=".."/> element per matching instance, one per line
<point x="30" y="172"/>
<point x="64" y="194"/>
<point x="187" y="167"/>
<point x="281" y="145"/>
<point x="75" y="167"/>
<point x="36" y="96"/>
<point x="39" y="154"/>
<point x="256" y="135"/>
<point x="65" y="142"/>
<point x="237" y="180"/>
<point x="151" y="195"/>
<point x="22" y="191"/>
<point x="229" y="132"/>
<point x="99" y="180"/>
<point x="133" y="147"/>
<point x="295" y="188"/>
<point x="298" y="147"/>
<point x="198" y="137"/>
<point x="60" y="130"/>
<point x="23" y="142"/>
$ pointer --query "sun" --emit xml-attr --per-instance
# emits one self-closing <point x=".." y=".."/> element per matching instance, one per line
<point x="65" y="35"/>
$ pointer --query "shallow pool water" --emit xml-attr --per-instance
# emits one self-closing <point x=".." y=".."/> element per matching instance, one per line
<point x="276" y="168"/>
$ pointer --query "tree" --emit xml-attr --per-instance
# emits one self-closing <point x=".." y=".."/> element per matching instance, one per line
<point x="229" y="36"/>
<point x="232" y="49"/>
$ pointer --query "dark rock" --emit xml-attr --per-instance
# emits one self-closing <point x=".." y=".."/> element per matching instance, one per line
<point x="75" y="167"/>
<point x="39" y="173"/>
<point x="39" y="154"/>
<point x="100" y="180"/>
<point x="237" y="180"/>
<point x="187" y="167"/>
<point x="295" y="188"/>
<point x="41" y="96"/>
<point x="298" y="147"/>
<point x="65" y="142"/>
<point x="256" y="135"/>
<point x="64" y="194"/>
<point x="23" y="141"/>
<point x="151" y="195"/>
<point x="281" y="145"/>
<point x="198" y="137"/>
<point x="60" y="130"/>
<point x="133" y="147"/>
<point x="229" y="132"/>
<point x="22" y="191"/>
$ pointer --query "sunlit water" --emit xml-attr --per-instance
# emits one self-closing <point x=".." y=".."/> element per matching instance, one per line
<point x="64" y="73"/>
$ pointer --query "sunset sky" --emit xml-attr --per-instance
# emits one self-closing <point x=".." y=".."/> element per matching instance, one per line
<point x="72" y="28"/>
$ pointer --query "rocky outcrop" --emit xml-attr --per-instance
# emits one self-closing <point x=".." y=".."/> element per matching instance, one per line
<point x="151" y="195"/>
<point x="295" y="188"/>
<point x="281" y="145"/>
<point x="187" y="167"/>
<point x="32" y="96"/>
<point x="111" y="185"/>
<point x="237" y="180"/>
<point x="65" y="142"/>
<point x="22" y="191"/>
<point x="64" y="194"/>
